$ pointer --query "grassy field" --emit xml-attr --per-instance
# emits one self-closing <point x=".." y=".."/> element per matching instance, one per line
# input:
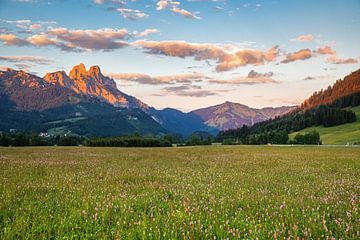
<point x="210" y="192"/>
<point x="342" y="134"/>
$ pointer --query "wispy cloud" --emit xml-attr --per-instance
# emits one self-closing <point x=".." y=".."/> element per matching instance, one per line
<point x="189" y="91"/>
<point x="121" y="7"/>
<point x="158" y="80"/>
<point x="253" y="78"/>
<point x="30" y="59"/>
<point x="304" y="38"/>
<point x="146" y="32"/>
<point x="132" y="14"/>
<point x="174" y="6"/>
<point x="29" y="26"/>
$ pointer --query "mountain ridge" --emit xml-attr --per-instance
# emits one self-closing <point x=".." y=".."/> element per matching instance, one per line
<point x="230" y="115"/>
<point x="23" y="92"/>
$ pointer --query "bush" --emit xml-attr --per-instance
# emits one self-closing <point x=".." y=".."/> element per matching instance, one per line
<point x="308" y="138"/>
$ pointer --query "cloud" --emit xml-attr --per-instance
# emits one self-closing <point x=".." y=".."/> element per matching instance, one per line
<point x="146" y="32"/>
<point x="189" y="91"/>
<point x="35" y="26"/>
<point x="244" y="81"/>
<point x="163" y="4"/>
<point x="13" y="40"/>
<point x="120" y="6"/>
<point x="119" y="3"/>
<point x="225" y="59"/>
<point x="73" y="40"/>
<point x="325" y="50"/>
<point x="99" y="39"/>
<point x="174" y="6"/>
<point x="254" y="74"/>
<point x="309" y="78"/>
<point x="334" y="60"/>
<point x="252" y="78"/>
<point x="185" y="13"/>
<point x="23" y="66"/>
<point x="41" y="40"/>
<point x="158" y="80"/>
<point x="333" y="56"/>
<point x="29" y="59"/>
<point x="302" y="54"/>
<point x="245" y="57"/>
<point x="304" y="38"/>
<point x="28" y="26"/>
<point x="132" y="14"/>
<point x="313" y="78"/>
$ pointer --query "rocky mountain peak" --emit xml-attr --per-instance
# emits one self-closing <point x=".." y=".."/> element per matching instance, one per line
<point x="77" y="71"/>
<point x="94" y="83"/>
<point x="94" y="70"/>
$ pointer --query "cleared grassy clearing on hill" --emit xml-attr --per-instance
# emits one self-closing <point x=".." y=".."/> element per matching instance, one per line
<point x="342" y="134"/>
<point x="171" y="193"/>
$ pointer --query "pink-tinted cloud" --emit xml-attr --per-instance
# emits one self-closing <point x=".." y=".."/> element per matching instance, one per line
<point x="184" y="13"/>
<point x="245" y="57"/>
<point x="225" y="59"/>
<point x="146" y="32"/>
<point x="41" y="40"/>
<point x="333" y="56"/>
<point x="73" y="40"/>
<point x="325" y="50"/>
<point x="334" y="60"/>
<point x="304" y="38"/>
<point x="158" y="80"/>
<point x="13" y="40"/>
<point x="99" y="39"/>
<point x="302" y="54"/>
<point x="174" y="6"/>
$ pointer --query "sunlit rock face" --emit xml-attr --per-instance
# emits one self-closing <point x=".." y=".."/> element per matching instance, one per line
<point x="94" y="83"/>
<point x="28" y="92"/>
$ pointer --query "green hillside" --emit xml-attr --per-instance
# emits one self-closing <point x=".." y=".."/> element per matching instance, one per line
<point x="342" y="134"/>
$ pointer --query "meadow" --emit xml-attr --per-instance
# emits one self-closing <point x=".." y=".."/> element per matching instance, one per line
<point x="209" y="192"/>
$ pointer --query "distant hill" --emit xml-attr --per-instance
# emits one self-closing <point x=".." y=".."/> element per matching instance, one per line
<point x="349" y="85"/>
<point x="176" y="121"/>
<point x="231" y="115"/>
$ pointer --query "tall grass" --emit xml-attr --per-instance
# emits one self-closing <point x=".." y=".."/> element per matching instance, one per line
<point x="171" y="193"/>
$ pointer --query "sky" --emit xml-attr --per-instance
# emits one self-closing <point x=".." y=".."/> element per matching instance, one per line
<point x="193" y="53"/>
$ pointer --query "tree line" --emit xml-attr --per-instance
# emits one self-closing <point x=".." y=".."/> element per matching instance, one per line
<point x="129" y="141"/>
<point x="23" y="139"/>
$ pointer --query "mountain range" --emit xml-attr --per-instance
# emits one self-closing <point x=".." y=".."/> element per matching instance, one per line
<point x="85" y="102"/>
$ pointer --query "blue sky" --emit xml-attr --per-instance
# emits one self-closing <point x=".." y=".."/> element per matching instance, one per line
<point x="192" y="53"/>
